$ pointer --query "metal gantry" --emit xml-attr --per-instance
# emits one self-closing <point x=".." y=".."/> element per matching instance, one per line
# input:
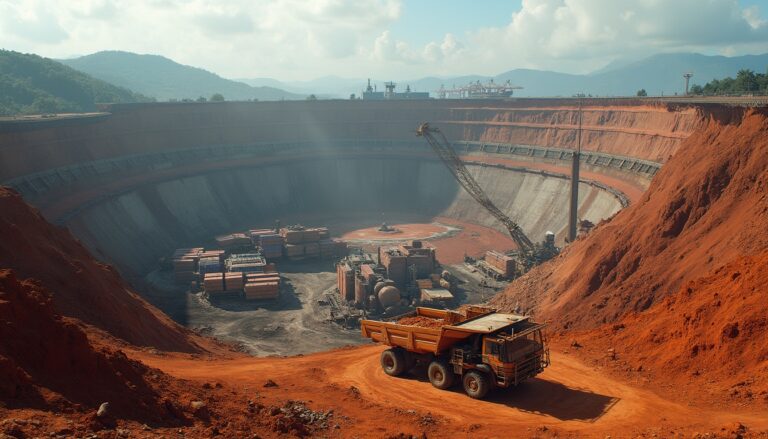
<point x="478" y="90"/>
<point x="442" y="147"/>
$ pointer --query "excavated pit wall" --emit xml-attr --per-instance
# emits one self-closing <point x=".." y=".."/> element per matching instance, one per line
<point x="144" y="179"/>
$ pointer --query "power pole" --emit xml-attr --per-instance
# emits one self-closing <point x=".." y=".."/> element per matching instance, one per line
<point x="573" y="214"/>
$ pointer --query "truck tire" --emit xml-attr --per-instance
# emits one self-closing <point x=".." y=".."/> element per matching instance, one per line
<point x="476" y="384"/>
<point x="393" y="362"/>
<point x="440" y="374"/>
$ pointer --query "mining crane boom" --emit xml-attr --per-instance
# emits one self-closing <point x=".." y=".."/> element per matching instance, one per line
<point x="442" y="147"/>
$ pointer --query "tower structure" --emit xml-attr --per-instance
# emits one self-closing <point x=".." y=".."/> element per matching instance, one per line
<point x="687" y="76"/>
<point x="575" y="164"/>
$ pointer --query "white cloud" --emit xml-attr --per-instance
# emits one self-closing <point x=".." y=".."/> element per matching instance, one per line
<point x="580" y="34"/>
<point x="299" y="39"/>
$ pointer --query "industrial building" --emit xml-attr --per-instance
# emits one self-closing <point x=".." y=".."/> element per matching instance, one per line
<point x="400" y="276"/>
<point x="371" y="94"/>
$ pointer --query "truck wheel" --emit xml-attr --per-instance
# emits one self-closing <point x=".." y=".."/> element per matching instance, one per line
<point x="476" y="384"/>
<point x="440" y="374"/>
<point x="392" y="362"/>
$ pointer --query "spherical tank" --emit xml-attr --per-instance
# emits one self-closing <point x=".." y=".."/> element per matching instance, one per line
<point x="389" y="296"/>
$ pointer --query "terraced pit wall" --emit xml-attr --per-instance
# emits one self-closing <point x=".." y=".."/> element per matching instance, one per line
<point x="140" y="180"/>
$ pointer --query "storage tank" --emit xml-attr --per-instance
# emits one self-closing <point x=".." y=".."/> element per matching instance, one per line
<point x="389" y="296"/>
<point x="382" y="284"/>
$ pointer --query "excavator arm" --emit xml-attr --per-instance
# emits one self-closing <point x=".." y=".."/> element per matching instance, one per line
<point x="442" y="147"/>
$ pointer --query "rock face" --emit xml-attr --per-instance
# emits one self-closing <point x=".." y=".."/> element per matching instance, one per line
<point x="80" y="287"/>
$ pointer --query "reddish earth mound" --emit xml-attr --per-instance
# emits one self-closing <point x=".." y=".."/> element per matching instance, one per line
<point x="82" y="287"/>
<point x="714" y="327"/>
<point x="707" y="206"/>
<point x="46" y="360"/>
<point x="672" y="289"/>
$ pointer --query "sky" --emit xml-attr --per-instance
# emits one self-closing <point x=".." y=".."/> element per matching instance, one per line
<point x="294" y="40"/>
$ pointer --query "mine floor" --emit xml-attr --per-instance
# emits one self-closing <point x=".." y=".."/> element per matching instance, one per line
<point x="297" y="323"/>
<point x="294" y="324"/>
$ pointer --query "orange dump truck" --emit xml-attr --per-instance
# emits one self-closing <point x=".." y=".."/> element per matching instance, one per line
<point x="483" y="348"/>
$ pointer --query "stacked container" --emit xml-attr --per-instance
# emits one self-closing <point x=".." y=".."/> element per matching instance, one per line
<point x="213" y="283"/>
<point x="262" y="290"/>
<point x="185" y="262"/>
<point x="210" y="265"/>
<point x="271" y="245"/>
<point x="502" y="263"/>
<point x="234" y="281"/>
<point x="262" y="286"/>
<point x="313" y="242"/>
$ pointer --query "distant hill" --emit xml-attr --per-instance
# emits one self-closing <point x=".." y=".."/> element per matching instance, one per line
<point x="30" y="84"/>
<point x="166" y="79"/>
<point x="657" y="74"/>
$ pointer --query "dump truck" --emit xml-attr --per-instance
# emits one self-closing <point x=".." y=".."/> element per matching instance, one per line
<point x="482" y="348"/>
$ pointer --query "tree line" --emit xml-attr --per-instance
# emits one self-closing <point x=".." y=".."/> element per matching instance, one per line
<point x="746" y="82"/>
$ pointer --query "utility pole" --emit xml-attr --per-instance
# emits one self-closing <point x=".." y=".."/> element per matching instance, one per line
<point x="573" y="214"/>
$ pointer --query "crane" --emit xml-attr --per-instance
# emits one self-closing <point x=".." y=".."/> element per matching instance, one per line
<point x="442" y="147"/>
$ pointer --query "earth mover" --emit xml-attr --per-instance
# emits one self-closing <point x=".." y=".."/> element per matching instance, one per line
<point x="483" y="349"/>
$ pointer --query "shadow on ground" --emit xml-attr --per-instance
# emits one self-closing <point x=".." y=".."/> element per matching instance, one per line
<point x="541" y="397"/>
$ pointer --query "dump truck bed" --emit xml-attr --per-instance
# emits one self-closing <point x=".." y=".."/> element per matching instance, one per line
<point x="435" y="340"/>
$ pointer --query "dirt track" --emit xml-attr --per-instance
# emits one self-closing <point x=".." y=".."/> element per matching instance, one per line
<point x="569" y="396"/>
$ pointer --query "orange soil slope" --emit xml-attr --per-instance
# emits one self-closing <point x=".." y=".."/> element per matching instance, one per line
<point x="707" y="206"/>
<point x="44" y="357"/>
<point x="711" y="334"/>
<point x="651" y="132"/>
<point x="674" y="286"/>
<point x="82" y="287"/>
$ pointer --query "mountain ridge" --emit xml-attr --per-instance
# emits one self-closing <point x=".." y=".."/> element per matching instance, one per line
<point x="659" y="74"/>
<point x="165" y="79"/>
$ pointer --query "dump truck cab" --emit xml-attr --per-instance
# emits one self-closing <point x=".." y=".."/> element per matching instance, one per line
<point x="483" y="348"/>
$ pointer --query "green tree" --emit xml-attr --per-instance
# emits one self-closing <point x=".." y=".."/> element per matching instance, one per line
<point x="46" y="104"/>
<point x="217" y="97"/>
<point x="746" y="81"/>
<point x="696" y="89"/>
<point x="312" y="97"/>
<point x="201" y="99"/>
<point x="642" y="92"/>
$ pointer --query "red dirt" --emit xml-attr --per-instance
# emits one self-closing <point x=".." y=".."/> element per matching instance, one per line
<point x="471" y="240"/>
<point x="706" y="209"/>
<point x="404" y="232"/>
<point x="422" y="322"/>
<point x="45" y="357"/>
<point x="82" y="287"/>
<point x="714" y="329"/>
<point x="651" y="132"/>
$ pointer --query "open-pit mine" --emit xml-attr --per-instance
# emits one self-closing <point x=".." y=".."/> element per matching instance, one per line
<point x="120" y="229"/>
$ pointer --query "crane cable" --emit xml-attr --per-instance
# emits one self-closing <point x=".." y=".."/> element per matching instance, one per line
<point x="455" y="165"/>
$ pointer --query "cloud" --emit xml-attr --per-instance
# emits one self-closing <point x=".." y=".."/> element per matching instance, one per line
<point x="30" y="25"/>
<point x="299" y="39"/>
<point x="565" y="34"/>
